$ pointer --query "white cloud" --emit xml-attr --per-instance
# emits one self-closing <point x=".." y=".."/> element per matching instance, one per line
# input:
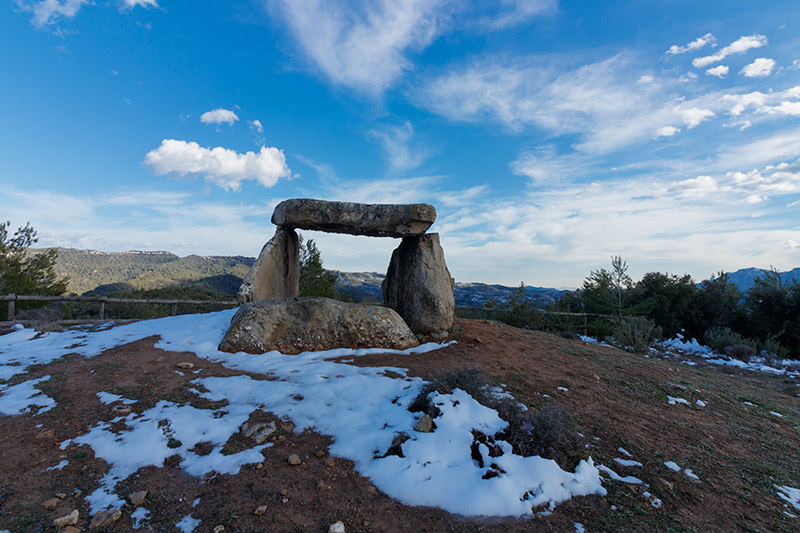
<point x="361" y="46"/>
<point x="697" y="44"/>
<point x="693" y="116"/>
<point x="256" y="125"/>
<point x="688" y="77"/>
<point x="219" y="116"/>
<point x="719" y="71"/>
<point x="739" y="46"/>
<point x="130" y="4"/>
<point x="48" y="12"/>
<point x="515" y="12"/>
<point x="221" y="166"/>
<point x="646" y="78"/>
<point x="760" y="68"/>
<point x="773" y="103"/>
<point x="397" y="142"/>
<point x="667" y="131"/>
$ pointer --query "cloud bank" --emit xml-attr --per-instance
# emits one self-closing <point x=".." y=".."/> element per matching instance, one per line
<point x="220" y="166"/>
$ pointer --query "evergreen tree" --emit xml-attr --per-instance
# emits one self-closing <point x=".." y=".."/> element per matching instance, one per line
<point x="25" y="273"/>
<point x="314" y="279"/>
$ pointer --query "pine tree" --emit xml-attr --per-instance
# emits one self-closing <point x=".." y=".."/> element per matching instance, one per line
<point x="314" y="279"/>
<point x="25" y="273"/>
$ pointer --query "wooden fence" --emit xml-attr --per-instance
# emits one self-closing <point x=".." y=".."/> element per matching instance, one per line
<point x="487" y="312"/>
<point x="103" y="300"/>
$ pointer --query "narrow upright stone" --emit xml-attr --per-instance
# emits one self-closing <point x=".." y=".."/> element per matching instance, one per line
<point x="419" y="287"/>
<point x="276" y="272"/>
<point x="374" y="220"/>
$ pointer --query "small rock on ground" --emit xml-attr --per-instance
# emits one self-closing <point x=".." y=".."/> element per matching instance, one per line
<point x="105" y="518"/>
<point x="338" y="527"/>
<point x="137" y="498"/>
<point x="70" y="519"/>
<point x="185" y="366"/>
<point x="50" y="504"/>
<point x="260" y="510"/>
<point x="294" y="460"/>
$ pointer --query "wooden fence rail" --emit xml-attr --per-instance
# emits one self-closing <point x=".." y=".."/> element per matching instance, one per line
<point x="103" y="300"/>
<point x="487" y="310"/>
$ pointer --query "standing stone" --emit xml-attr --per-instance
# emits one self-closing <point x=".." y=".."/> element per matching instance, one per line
<point x="374" y="220"/>
<point x="276" y="272"/>
<point x="419" y="287"/>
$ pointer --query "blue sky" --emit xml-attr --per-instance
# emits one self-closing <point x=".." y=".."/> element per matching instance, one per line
<point x="549" y="135"/>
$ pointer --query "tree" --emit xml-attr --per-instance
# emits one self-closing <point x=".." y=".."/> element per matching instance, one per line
<point x="24" y="273"/>
<point x="715" y="304"/>
<point x="604" y="292"/>
<point x="770" y="309"/>
<point x="314" y="279"/>
<point x="665" y="299"/>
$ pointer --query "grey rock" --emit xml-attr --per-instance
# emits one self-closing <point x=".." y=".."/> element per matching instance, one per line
<point x="294" y="460"/>
<point x="419" y="287"/>
<point x="137" y="498"/>
<point x="295" y="325"/>
<point x="264" y="433"/>
<point x="105" y="518"/>
<point x="276" y="272"/>
<point x="425" y="425"/>
<point x="70" y="519"/>
<point x="374" y="220"/>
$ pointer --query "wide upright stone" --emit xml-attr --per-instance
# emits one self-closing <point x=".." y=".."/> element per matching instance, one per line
<point x="295" y="325"/>
<point x="374" y="220"/>
<point x="419" y="287"/>
<point x="276" y="272"/>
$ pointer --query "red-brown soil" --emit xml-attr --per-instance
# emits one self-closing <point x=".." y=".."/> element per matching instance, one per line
<point x="618" y="399"/>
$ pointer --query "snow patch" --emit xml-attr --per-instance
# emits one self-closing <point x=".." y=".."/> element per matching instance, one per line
<point x="24" y="398"/>
<point x="789" y="494"/>
<point x="672" y="465"/>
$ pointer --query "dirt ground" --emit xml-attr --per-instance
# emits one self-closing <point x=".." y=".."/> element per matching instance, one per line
<point x="738" y="451"/>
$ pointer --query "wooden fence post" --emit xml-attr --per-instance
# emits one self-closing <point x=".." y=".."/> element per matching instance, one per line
<point x="586" y="325"/>
<point x="174" y="309"/>
<point x="10" y="309"/>
<point x="102" y="310"/>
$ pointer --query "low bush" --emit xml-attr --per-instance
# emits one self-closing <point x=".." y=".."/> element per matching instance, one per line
<point x="634" y="334"/>
<point x="727" y="341"/>
<point x="43" y="319"/>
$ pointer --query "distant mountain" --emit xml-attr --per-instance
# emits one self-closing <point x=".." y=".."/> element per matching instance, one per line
<point x="105" y="272"/>
<point x="366" y="286"/>
<point x="745" y="278"/>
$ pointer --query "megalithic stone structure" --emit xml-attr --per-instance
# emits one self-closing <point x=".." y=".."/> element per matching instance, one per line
<point x="419" y="287"/>
<point x="276" y="272"/>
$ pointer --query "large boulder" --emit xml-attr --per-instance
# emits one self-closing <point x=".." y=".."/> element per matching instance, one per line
<point x="374" y="220"/>
<point x="419" y="287"/>
<point x="276" y="272"/>
<point x="297" y="325"/>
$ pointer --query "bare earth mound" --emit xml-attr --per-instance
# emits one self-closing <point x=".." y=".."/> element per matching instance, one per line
<point x="738" y="434"/>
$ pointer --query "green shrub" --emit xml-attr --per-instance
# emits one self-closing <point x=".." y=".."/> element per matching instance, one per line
<point x="634" y="334"/>
<point x="721" y="339"/>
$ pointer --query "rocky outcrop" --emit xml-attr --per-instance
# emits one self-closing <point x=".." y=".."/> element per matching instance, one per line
<point x="276" y="272"/>
<point x="419" y="287"/>
<point x="375" y="220"/>
<point x="296" y="325"/>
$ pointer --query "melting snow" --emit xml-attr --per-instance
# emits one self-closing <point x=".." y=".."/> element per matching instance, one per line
<point x="187" y="524"/>
<point x="24" y="397"/>
<point x="627" y="462"/>
<point x="360" y="408"/>
<point x="673" y="401"/>
<point x="672" y="466"/>
<point x="789" y="494"/>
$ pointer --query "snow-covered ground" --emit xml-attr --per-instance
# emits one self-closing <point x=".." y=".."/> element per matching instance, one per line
<point x="362" y="409"/>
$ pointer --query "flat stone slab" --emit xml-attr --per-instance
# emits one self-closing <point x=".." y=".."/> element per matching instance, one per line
<point x="373" y="220"/>
<point x="296" y="325"/>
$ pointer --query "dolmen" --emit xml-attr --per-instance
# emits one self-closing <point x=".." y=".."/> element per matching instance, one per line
<point x="418" y="304"/>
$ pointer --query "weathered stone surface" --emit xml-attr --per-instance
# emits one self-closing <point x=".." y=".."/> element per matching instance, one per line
<point x="419" y="287"/>
<point x="67" y="520"/>
<point x="374" y="220"/>
<point x="105" y="518"/>
<point x="276" y="272"/>
<point x="296" y="325"/>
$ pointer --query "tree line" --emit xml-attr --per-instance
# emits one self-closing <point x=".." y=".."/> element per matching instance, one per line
<point x="715" y="312"/>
